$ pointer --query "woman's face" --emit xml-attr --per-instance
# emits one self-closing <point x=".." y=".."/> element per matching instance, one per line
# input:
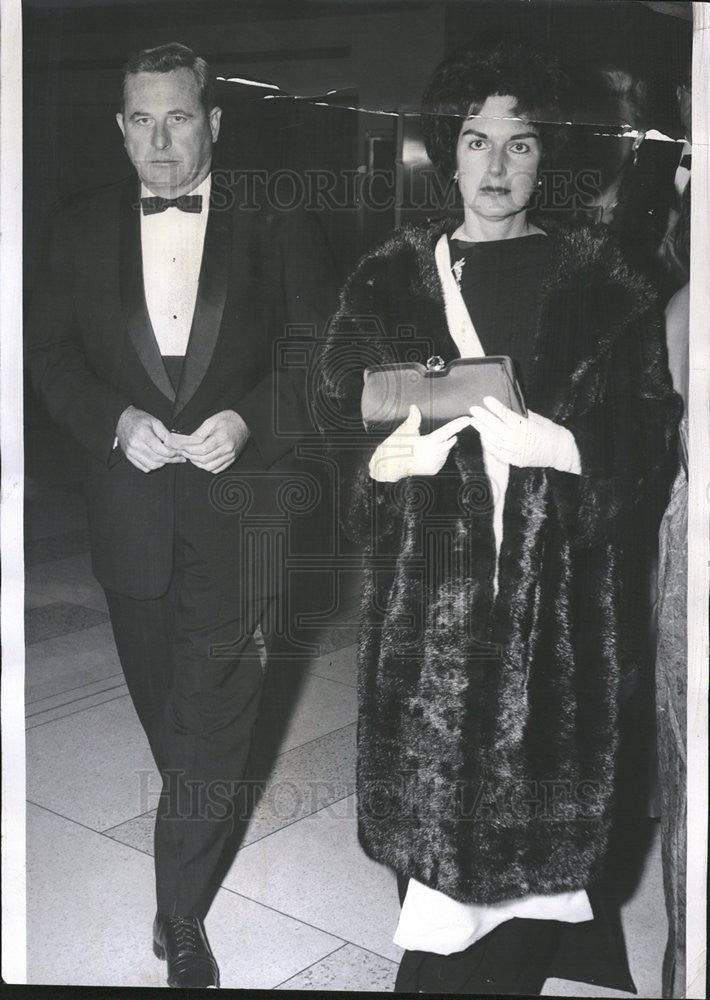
<point x="497" y="158"/>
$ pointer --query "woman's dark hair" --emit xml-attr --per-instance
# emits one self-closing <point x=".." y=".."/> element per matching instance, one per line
<point x="503" y="65"/>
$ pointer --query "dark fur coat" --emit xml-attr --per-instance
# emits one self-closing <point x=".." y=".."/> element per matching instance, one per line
<point x="488" y="726"/>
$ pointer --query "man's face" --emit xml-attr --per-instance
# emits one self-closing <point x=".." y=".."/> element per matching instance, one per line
<point x="167" y="132"/>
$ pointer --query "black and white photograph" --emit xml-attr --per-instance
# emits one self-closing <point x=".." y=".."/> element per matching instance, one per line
<point x="356" y="496"/>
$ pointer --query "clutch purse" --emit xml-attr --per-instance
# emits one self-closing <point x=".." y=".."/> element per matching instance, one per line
<point x="441" y="391"/>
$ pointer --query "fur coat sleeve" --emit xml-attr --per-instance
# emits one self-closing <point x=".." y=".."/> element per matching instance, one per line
<point x="619" y="403"/>
<point x="364" y="333"/>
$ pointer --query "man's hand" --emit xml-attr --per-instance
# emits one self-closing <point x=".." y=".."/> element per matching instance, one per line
<point x="145" y="441"/>
<point x="407" y="453"/>
<point x="216" y="442"/>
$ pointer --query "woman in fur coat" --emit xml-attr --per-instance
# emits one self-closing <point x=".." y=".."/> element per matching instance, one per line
<point x="499" y="623"/>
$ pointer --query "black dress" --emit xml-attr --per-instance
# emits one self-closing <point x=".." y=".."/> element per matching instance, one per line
<point x="500" y="282"/>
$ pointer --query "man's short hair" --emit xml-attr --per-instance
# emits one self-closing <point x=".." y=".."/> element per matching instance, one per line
<point x="163" y="59"/>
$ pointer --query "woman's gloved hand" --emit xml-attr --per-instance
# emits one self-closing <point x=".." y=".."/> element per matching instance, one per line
<point x="525" y="441"/>
<point x="408" y="453"/>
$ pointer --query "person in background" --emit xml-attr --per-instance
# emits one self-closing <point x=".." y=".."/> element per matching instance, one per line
<point x="672" y="638"/>
<point x="684" y="96"/>
<point x="150" y="340"/>
<point x="634" y="171"/>
<point x="674" y="252"/>
<point x="676" y="262"/>
<point x="498" y="629"/>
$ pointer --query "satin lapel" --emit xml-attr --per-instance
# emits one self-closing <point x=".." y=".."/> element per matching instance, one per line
<point x="135" y="311"/>
<point x="209" y="305"/>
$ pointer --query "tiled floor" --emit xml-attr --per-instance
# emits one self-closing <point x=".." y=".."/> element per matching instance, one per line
<point x="301" y="908"/>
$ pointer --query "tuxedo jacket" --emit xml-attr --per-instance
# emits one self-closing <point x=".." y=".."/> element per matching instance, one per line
<point x="646" y="195"/>
<point x="92" y="353"/>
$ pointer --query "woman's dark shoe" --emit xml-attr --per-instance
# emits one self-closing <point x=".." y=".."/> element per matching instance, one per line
<point x="183" y="942"/>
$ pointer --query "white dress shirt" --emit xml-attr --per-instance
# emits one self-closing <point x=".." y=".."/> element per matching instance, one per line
<point x="172" y="242"/>
<point x="682" y="174"/>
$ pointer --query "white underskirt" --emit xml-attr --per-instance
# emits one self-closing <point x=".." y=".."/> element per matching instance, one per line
<point x="431" y="921"/>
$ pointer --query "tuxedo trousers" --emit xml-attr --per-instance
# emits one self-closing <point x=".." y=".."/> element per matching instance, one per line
<point x="195" y="674"/>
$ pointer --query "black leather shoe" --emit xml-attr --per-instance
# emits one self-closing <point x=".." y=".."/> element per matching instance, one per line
<point x="183" y="942"/>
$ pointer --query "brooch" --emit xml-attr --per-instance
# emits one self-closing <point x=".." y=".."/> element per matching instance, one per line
<point x="457" y="268"/>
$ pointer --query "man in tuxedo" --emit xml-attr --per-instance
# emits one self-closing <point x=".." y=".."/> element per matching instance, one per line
<point x="151" y="339"/>
<point x="684" y="96"/>
<point x="651" y="201"/>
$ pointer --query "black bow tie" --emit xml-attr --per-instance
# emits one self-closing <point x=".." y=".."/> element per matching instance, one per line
<point x="685" y="161"/>
<point x="186" y="203"/>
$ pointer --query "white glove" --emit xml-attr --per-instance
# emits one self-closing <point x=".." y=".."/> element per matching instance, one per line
<point x="407" y="453"/>
<point x="525" y="441"/>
